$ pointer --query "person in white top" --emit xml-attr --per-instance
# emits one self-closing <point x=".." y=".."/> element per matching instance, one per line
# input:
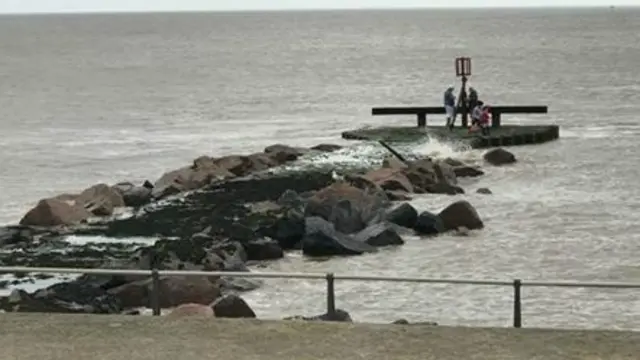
<point x="476" y="116"/>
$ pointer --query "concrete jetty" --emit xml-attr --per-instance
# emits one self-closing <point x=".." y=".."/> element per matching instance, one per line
<point x="112" y="337"/>
<point x="505" y="135"/>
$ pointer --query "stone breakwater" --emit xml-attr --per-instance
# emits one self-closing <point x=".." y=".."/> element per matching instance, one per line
<point x="223" y="214"/>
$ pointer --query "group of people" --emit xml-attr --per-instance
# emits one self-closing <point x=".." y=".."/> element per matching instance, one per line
<point x="480" y="113"/>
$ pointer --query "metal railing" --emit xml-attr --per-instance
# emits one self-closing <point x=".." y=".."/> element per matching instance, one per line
<point x="330" y="279"/>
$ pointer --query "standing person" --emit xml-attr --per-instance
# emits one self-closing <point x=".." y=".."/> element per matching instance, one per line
<point x="473" y="99"/>
<point x="449" y="106"/>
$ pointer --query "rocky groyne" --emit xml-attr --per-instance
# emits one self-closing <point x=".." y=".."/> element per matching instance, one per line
<point x="224" y="214"/>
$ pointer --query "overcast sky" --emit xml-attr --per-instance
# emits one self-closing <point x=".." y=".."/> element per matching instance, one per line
<point x="22" y="6"/>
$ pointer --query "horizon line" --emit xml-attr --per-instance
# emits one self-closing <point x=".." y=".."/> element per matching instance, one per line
<point x="401" y="8"/>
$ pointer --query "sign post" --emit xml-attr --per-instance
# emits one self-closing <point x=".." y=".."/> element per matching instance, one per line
<point x="463" y="69"/>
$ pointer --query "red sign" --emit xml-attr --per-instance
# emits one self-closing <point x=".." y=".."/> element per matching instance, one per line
<point x="463" y="66"/>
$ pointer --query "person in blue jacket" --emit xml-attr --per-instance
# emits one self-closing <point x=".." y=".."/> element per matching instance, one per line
<point x="449" y="105"/>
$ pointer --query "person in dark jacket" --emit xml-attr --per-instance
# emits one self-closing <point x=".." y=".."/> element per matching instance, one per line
<point x="449" y="105"/>
<point x="472" y="99"/>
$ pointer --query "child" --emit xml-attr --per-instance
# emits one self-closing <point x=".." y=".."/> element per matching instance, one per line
<point x="476" y="116"/>
<point x="485" y="119"/>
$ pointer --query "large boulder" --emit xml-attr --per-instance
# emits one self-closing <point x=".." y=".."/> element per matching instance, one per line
<point x="174" y="291"/>
<point x="132" y="195"/>
<point x="467" y="171"/>
<point x="429" y="224"/>
<point x="461" y="214"/>
<point x="243" y="165"/>
<point x="238" y="165"/>
<point x="421" y="174"/>
<point x="445" y="188"/>
<point x="445" y="173"/>
<point x="285" y="149"/>
<point x="291" y="199"/>
<point x="232" y="306"/>
<point x="499" y="156"/>
<point x="289" y="229"/>
<point x="187" y="178"/>
<point x="322" y="239"/>
<point x="263" y="249"/>
<point x="326" y="147"/>
<point x="349" y="208"/>
<point x="427" y="175"/>
<point x="390" y="179"/>
<point x="80" y="295"/>
<point x="381" y="234"/>
<point x="261" y="161"/>
<point x="21" y="301"/>
<point x="284" y="153"/>
<point x="137" y="196"/>
<point x="346" y="217"/>
<point x="100" y="199"/>
<point x="73" y="297"/>
<point x="393" y="162"/>
<point x="403" y="215"/>
<point x="53" y="212"/>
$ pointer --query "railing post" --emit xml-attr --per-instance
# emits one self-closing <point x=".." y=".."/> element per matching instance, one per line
<point x="331" y="296"/>
<point x="155" y="292"/>
<point x="517" y="303"/>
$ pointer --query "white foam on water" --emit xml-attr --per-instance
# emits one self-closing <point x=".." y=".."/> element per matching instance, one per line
<point x="36" y="284"/>
<point x="363" y="154"/>
<point x="371" y="153"/>
<point x="73" y="240"/>
<point x="84" y="240"/>
<point x="440" y="149"/>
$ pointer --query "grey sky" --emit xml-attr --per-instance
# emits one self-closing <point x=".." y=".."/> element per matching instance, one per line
<point x="22" y="6"/>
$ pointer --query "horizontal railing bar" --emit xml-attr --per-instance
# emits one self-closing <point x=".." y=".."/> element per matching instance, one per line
<point x="318" y="276"/>
<point x="19" y="269"/>
<point x="602" y="285"/>
<point x="277" y="275"/>
<point x="423" y="280"/>
<point x="436" y="110"/>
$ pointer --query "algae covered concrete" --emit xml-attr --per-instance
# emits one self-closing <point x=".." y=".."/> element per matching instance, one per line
<point x="499" y="136"/>
<point x="114" y="337"/>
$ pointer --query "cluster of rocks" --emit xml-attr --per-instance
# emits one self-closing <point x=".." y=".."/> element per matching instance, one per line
<point x="238" y="215"/>
<point x="102" y="199"/>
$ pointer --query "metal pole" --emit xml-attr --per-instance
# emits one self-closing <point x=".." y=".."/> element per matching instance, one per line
<point x="331" y="296"/>
<point x="517" y="303"/>
<point x="155" y="292"/>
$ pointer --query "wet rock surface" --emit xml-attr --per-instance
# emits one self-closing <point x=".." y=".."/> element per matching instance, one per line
<point x="219" y="214"/>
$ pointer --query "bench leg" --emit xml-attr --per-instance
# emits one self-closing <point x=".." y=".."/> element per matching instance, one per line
<point x="422" y="120"/>
<point x="495" y="120"/>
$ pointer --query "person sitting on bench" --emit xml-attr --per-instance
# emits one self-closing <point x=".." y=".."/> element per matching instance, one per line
<point x="485" y="119"/>
<point x="476" y="116"/>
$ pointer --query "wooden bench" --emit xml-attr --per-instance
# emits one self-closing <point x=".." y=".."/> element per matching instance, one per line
<point x="422" y="112"/>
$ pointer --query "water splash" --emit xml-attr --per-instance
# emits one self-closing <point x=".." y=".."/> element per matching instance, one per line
<point x="371" y="153"/>
<point x="441" y="149"/>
